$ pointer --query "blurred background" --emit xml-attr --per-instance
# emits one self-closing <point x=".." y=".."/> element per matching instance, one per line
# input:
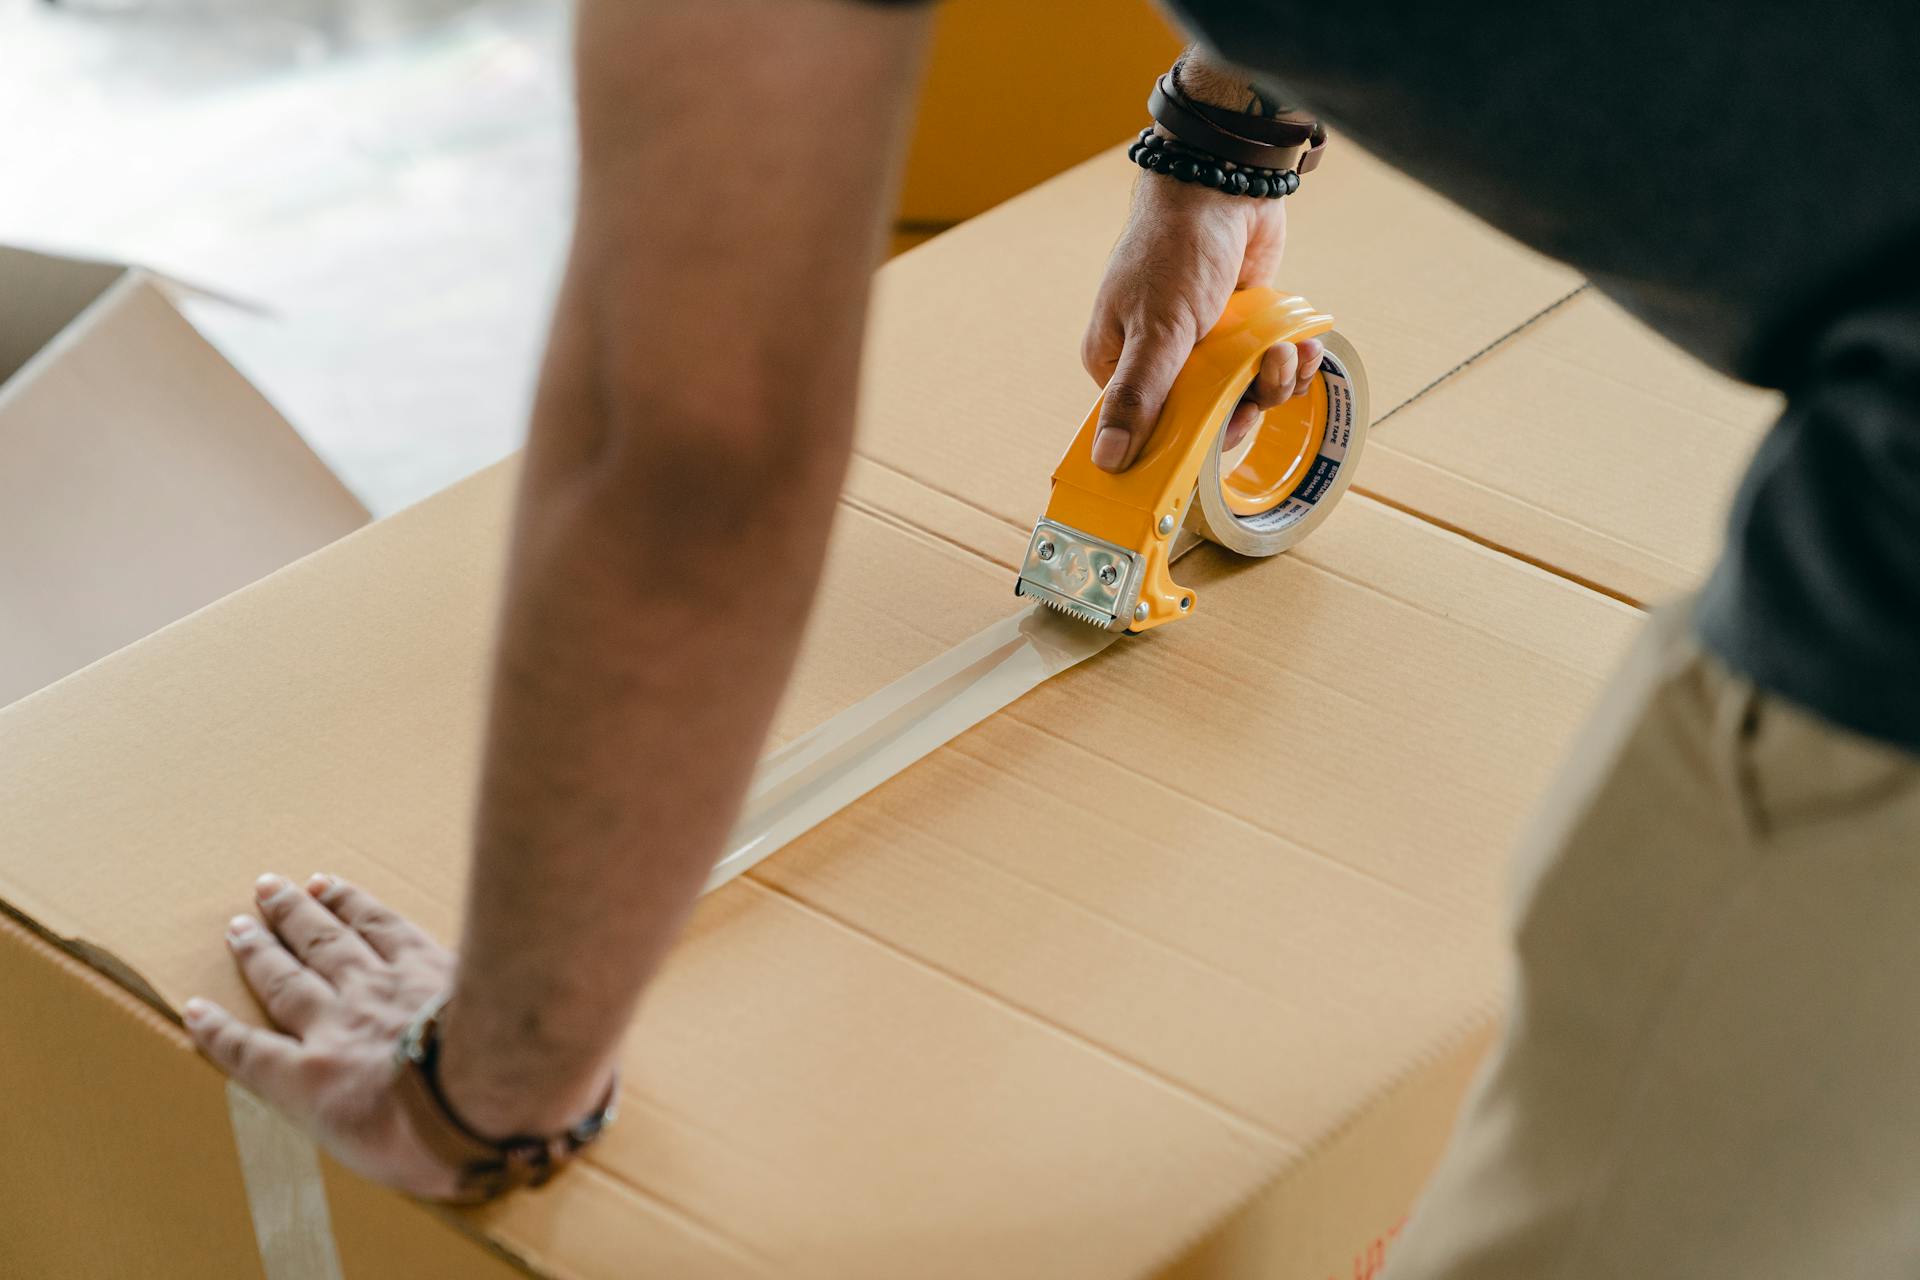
<point x="375" y="193"/>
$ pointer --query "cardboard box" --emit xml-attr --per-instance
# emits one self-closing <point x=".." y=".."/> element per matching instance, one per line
<point x="995" y="67"/>
<point x="1585" y="443"/>
<point x="141" y="477"/>
<point x="1183" y="959"/>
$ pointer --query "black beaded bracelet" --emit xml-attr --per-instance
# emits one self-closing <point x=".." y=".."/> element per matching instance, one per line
<point x="1175" y="159"/>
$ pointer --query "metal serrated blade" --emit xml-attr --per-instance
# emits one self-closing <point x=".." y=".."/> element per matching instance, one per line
<point x="1079" y="612"/>
<point x="1084" y="577"/>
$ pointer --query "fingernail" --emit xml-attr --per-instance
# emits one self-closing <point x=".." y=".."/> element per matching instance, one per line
<point x="196" y="1010"/>
<point x="1109" y="447"/>
<point x="268" y="885"/>
<point x="319" y="882"/>
<point x="239" y="927"/>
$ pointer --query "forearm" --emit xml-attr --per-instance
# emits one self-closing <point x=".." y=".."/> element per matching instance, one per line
<point x="689" y="439"/>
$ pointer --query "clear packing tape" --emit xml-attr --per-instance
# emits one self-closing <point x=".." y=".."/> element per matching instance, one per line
<point x="285" y="1194"/>
<point x="1257" y="499"/>
<point x="1294" y="468"/>
<point x="821" y="772"/>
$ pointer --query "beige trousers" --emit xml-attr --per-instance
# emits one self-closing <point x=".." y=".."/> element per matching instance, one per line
<point x="1712" y="1066"/>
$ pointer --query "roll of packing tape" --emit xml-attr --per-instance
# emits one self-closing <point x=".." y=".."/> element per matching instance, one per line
<point x="1274" y="487"/>
<point x="1258" y="499"/>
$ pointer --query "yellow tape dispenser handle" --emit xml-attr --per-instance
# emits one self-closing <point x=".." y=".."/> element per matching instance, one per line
<point x="1104" y="550"/>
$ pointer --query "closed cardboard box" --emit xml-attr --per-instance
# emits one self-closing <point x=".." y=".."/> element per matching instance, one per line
<point x="1181" y="961"/>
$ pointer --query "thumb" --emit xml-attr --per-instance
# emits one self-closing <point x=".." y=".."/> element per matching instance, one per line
<point x="1148" y="364"/>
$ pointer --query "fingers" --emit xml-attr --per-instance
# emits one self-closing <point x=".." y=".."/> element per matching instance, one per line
<point x="385" y="931"/>
<point x="314" y="934"/>
<point x="1286" y="372"/>
<point x="292" y="994"/>
<point x="1135" y="394"/>
<point x="1279" y="368"/>
<point x="263" y="1061"/>
<point x="1101" y="345"/>
<point x="1308" y="364"/>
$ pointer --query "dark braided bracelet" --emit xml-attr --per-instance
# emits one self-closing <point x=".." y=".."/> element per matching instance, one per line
<point x="1157" y="154"/>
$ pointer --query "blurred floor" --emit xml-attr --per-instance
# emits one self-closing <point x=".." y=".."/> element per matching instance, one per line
<point x="389" y="179"/>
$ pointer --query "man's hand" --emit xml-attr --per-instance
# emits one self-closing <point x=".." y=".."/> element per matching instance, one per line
<point x="340" y="975"/>
<point x="1185" y="249"/>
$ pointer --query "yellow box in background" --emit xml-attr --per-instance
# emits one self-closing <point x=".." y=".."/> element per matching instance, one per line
<point x="1016" y="92"/>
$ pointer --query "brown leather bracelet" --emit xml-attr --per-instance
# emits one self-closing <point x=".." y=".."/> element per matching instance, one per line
<point x="1172" y="112"/>
<point x="1255" y="128"/>
<point x="1278" y="133"/>
<point x="485" y="1168"/>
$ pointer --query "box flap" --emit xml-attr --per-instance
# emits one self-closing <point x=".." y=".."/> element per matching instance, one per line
<point x="141" y="477"/>
<point x="40" y="295"/>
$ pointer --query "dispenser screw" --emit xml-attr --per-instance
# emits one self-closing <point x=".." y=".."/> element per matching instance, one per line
<point x="1140" y="612"/>
<point x="1044" y="551"/>
<point x="1166" y="524"/>
<point x="1109" y="574"/>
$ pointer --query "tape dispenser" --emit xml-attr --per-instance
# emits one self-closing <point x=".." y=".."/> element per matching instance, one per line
<point x="1104" y="550"/>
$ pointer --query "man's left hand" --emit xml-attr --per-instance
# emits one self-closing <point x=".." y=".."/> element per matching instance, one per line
<point x="340" y="975"/>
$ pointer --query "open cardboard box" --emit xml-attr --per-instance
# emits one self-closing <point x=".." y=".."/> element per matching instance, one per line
<point x="1181" y="961"/>
<point x="141" y="477"/>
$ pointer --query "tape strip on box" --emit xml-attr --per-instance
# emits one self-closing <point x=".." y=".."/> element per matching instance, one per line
<point x="815" y="776"/>
<point x="818" y="774"/>
<point x="285" y="1194"/>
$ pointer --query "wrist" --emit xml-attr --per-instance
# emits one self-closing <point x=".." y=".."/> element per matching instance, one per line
<point x="1173" y="200"/>
<point x="480" y="1166"/>
<point x="1212" y="83"/>
<point x="499" y="1104"/>
<point x="1251" y="152"/>
<point x="1161" y="151"/>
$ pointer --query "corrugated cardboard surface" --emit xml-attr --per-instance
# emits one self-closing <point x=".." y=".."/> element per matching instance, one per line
<point x="141" y="477"/>
<point x="1211" y="913"/>
<point x="122" y="1166"/>
<point x="1585" y="443"/>
<point x="103" y="1105"/>
<point x="1100" y="944"/>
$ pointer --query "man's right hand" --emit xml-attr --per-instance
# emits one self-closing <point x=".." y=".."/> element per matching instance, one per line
<point x="1185" y="249"/>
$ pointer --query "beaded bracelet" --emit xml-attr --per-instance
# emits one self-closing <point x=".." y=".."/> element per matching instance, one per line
<point x="1157" y="154"/>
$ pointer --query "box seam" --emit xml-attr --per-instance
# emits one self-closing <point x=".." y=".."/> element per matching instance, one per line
<point x="1245" y="1126"/>
<point x="935" y="489"/>
<point x="1474" y="357"/>
<point x="1505" y="549"/>
<point x="1559" y="517"/>
<point x="1370" y="877"/>
<point x="1426" y="517"/>
<point x="907" y="525"/>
